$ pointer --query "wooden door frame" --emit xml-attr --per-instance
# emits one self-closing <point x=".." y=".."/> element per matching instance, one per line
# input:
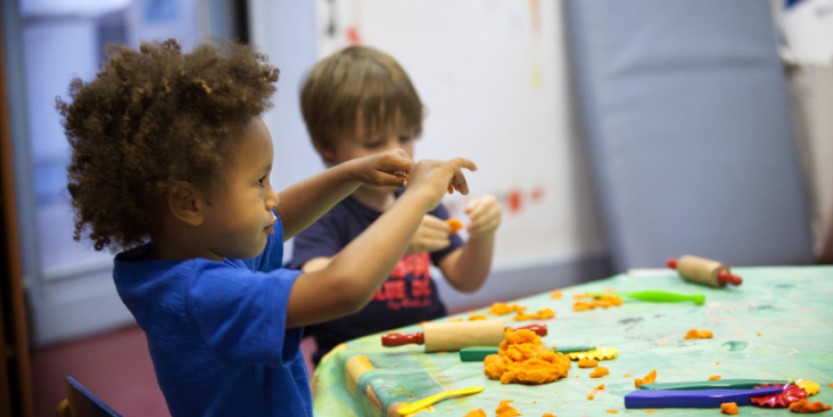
<point x="16" y="398"/>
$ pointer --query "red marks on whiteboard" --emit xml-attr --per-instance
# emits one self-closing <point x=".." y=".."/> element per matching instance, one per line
<point x="343" y="22"/>
<point x="353" y="37"/>
<point x="516" y="200"/>
<point x="535" y="14"/>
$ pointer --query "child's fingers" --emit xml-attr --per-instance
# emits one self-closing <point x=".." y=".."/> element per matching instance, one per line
<point x="458" y="182"/>
<point x="390" y="179"/>
<point x="472" y="206"/>
<point x="448" y="172"/>
<point x="483" y="225"/>
<point x="433" y="224"/>
<point x="396" y="161"/>
<point x="459" y="163"/>
<point x="482" y="204"/>
<point x="484" y="215"/>
<point x="432" y="235"/>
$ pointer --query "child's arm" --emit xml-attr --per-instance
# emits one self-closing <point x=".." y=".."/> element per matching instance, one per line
<point x="348" y="282"/>
<point x="303" y="203"/>
<point x="466" y="268"/>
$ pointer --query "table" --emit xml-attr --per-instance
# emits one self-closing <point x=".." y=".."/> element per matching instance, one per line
<point x="778" y="324"/>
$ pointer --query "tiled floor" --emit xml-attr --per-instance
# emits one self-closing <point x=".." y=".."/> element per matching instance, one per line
<point x="115" y="366"/>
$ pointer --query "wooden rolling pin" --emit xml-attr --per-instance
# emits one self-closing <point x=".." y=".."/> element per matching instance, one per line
<point x="455" y="335"/>
<point x="704" y="271"/>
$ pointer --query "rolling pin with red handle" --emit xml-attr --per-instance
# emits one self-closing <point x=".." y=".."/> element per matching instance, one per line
<point x="455" y="335"/>
<point x="451" y="336"/>
<point x="704" y="271"/>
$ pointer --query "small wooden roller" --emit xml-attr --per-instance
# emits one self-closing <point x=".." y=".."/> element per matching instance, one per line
<point x="455" y="335"/>
<point x="704" y="271"/>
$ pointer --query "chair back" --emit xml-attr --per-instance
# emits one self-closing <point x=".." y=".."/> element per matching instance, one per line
<point x="80" y="402"/>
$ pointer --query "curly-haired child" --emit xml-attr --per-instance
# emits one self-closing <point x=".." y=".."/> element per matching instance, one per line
<point x="171" y="164"/>
<point x="359" y="102"/>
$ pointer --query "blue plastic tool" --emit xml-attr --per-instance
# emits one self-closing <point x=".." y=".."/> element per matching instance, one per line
<point x="703" y="398"/>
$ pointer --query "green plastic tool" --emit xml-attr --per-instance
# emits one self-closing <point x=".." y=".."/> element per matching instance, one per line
<point x="657" y="296"/>
<point x="720" y="383"/>
<point x="478" y="353"/>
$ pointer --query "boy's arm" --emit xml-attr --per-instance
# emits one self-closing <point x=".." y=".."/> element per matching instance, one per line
<point x="466" y="268"/>
<point x="316" y="264"/>
<point x="353" y="275"/>
<point x="303" y="203"/>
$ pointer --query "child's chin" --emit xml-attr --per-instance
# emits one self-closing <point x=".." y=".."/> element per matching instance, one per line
<point x="256" y="251"/>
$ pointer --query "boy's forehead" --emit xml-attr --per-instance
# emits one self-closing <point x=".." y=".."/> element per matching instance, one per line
<point x="381" y="123"/>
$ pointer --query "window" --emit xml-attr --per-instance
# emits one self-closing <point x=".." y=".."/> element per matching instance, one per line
<point x="58" y="41"/>
<point x="61" y="42"/>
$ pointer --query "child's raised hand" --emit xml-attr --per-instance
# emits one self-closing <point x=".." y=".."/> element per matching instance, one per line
<point x="484" y="216"/>
<point x="384" y="169"/>
<point x="431" y="236"/>
<point x="433" y="177"/>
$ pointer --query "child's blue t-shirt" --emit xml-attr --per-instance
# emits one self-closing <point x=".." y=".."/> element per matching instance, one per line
<point x="217" y="332"/>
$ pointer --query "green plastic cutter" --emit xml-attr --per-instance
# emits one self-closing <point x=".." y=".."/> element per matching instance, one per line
<point x="716" y="384"/>
<point x="657" y="296"/>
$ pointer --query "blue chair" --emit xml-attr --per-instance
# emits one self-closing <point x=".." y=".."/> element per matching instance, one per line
<point x="80" y="402"/>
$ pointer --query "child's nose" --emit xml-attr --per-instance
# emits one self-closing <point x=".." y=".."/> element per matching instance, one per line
<point x="390" y="144"/>
<point x="395" y="143"/>
<point x="271" y="199"/>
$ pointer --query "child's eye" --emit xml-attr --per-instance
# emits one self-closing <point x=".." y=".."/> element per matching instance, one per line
<point x="405" y="138"/>
<point x="262" y="181"/>
<point x="374" y="144"/>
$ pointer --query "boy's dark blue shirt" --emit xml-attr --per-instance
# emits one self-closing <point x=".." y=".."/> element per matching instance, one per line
<point x="409" y="296"/>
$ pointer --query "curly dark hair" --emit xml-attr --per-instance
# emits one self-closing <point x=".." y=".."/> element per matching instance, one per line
<point x="358" y="80"/>
<point x="150" y="118"/>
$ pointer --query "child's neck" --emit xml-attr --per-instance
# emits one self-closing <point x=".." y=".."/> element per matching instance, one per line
<point x="177" y="241"/>
<point x="376" y="198"/>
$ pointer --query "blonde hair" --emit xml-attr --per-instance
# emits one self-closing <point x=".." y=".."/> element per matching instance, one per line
<point x="358" y="86"/>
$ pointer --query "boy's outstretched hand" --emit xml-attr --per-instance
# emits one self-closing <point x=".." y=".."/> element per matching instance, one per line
<point x="386" y="169"/>
<point x="484" y="216"/>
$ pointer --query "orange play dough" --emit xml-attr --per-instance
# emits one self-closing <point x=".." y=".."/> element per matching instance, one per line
<point x="698" y="334"/>
<point x="729" y="408"/>
<point x="455" y="225"/>
<point x="523" y="358"/>
<point x="647" y="379"/>
<point x="505" y="410"/>
<point x="804" y="406"/>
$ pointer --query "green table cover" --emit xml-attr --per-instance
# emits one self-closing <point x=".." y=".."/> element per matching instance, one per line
<point x="778" y="324"/>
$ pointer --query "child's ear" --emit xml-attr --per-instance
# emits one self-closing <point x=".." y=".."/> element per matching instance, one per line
<point x="186" y="202"/>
